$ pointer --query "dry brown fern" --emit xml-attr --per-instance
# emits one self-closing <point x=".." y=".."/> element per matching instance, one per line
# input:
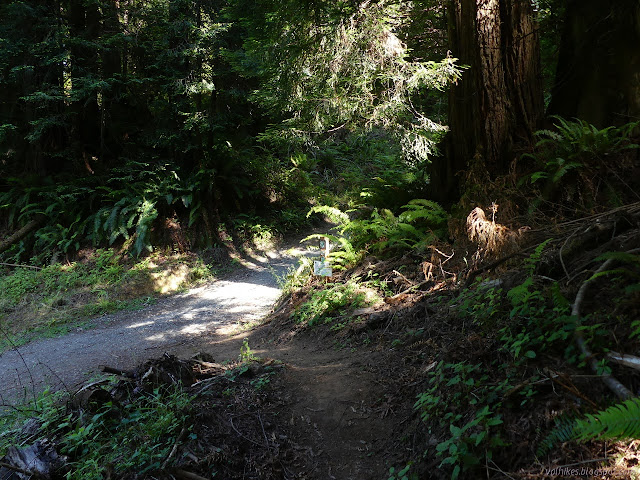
<point x="492" y="238"/>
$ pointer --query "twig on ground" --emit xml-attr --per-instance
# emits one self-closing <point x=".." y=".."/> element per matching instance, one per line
<point x="238" y="432"/>
<point x="403" y="277"/>
<point x="173" y="451"/>
<point x="412" y="287"/>
<point x="20" y="470"/>
<point x="116" y="371"/>
<point x="19" y="265"/>
<point x="264" y="433"/>
<point x="14" y="347"/>
<point x="188" y="475"/>
<point x="564" y="267"/>
<point x="58" y="377"/>
<point x="472" y="274"/>
<point x="448" y="257"/>
<point x="614" y="385"/>
<point x="573" y="390"/>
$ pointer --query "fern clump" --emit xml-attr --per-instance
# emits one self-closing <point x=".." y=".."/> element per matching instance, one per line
<point x="421" y="223"/>
<point x="618" y="422"/>
<point x="572" y="154"/>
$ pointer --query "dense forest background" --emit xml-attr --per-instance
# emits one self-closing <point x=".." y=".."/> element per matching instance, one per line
<point x="149" y="121"/>
<point x="479" y="161"/>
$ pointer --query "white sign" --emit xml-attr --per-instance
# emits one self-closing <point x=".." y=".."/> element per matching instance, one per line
<point x="322" y="268"/>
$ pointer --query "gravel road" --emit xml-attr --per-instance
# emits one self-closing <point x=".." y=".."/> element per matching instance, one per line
<point x="181" y="325"/>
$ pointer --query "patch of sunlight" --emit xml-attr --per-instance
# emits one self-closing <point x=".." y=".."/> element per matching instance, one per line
<point x="194" y="328"/>
<point x="248" y="263"/>
<point x="240" y="309"/>
<point x="241" y="290"/>
<point x="231" y="329"/>
<point x="159" y="337"/>
<point x="141" y="324"/>
<point x="170" y="279"/>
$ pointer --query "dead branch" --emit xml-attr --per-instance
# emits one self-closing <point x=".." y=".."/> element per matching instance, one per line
<point x="471" y="276"/>
<point x="173" y="451"/>
<point x="403" y="278"/>
<point x="410" y="289"/>
<point x="20" y="470"/>
<point x="117" y="371"/>
<point x="614" y="385"/>
<point x="19" y="265"/>
<point x="571" y="388"/>
<point x="626" y="360"/>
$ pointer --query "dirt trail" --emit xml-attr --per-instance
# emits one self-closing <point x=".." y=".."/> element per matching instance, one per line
<point x="331" y="393"/>
<point x="181" y="325"/>
<point x="336" y="412"/>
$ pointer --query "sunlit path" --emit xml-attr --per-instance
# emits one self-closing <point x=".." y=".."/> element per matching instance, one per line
<point x="180" y="325"/>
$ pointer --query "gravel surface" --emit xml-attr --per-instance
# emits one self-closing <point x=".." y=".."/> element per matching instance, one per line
<point x="181" y="325"/>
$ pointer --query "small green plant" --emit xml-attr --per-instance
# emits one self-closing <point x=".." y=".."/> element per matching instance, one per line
<point x="402" y="474"/>
<point x="453" y="388"/>
<point x="132" y="438"/>
<point x="261" y="382"/>
<point x="336" y="300"/>
<point x="246" y="354"/>
<point x="296" y="276"/>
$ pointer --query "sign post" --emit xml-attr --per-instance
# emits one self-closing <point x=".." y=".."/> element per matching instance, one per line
<point x="322" y="267"/>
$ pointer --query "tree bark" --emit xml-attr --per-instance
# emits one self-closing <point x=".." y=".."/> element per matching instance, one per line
<point x="498" y="103"/>
<point x="598" y="72"/>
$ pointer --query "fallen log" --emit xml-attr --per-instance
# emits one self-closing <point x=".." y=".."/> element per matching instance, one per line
<point x="21" y="233"/>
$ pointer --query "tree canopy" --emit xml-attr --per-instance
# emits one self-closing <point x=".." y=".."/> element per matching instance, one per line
<point x="116" y="114"/>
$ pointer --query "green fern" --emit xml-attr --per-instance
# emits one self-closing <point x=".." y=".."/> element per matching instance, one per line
<point x="426" y="209"/>
<point x="344" y="254"/>
<point x="561" y="433"/>
<point x="560" y="302"/>
<point x="574" y="145"/>
<point x="334" y="214"/>
<point x="618" y="422"/>
<point x="531" y="263"/>
<point x="422" y="222"/>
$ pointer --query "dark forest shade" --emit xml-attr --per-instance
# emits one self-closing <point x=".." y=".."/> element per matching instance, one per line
<point x="598" y="73"/>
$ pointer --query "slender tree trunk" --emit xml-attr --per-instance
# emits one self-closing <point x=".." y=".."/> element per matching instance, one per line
<point x="498" y="102"/>
<point x="84" y="27"/>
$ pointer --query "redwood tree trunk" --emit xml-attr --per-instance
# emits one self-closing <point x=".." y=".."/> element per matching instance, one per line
<point x="598" y="73"/>
<point x="498" y="102"/>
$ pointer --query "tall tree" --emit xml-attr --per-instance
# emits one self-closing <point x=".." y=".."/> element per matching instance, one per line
<point x="598" y="72"/>
<point x="498" y="102"/>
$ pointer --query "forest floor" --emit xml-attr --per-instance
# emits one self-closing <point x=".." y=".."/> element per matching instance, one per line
<point x="329" y="394"/>
<point x="275" y="396"/>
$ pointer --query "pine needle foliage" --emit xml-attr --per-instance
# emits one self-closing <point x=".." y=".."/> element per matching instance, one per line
<point x="343" y="66"/>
